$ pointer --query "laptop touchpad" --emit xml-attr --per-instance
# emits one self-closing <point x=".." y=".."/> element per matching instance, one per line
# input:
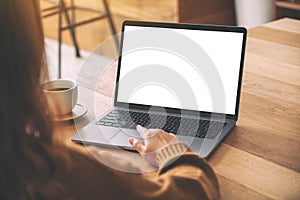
<point x="121" y="139"/>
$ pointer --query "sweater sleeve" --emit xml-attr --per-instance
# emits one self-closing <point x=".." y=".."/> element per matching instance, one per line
<point x="182" y="174"/>
<point x="193" y="176"/>
<point x="186" y="177"/>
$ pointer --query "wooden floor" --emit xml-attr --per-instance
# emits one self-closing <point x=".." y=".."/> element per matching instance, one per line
<point x="90" y="35"/>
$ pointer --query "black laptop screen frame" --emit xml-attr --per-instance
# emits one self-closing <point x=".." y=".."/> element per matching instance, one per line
<point x="182" y="26"/>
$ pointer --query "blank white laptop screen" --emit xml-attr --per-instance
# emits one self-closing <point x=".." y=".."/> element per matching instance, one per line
<point x="224" y="50"/>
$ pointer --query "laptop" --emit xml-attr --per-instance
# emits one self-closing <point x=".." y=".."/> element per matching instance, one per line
<point x="181" y="78"/>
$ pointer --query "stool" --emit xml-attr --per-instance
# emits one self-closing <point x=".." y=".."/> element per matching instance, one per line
<point x="60" y="8"/>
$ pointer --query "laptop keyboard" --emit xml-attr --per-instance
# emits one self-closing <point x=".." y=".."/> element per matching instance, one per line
<point x="173" y="124"/>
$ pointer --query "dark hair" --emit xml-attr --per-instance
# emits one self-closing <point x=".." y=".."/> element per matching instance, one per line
<point x="26" y="150"/>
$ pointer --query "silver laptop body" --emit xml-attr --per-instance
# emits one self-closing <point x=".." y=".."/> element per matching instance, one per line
<point x="182" y="78"/>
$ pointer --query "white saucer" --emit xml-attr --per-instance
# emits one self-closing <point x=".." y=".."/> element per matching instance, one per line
<point x="78" y="111"/>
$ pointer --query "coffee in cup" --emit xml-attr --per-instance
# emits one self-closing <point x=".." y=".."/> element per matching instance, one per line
<point x="61" y="96"/>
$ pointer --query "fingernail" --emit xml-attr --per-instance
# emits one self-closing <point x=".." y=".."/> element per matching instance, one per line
<point x="139" y="128"/>
<point x="130" y="140"/>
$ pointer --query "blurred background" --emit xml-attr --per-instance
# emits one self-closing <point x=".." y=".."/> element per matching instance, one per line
<point x="247" y="13"/>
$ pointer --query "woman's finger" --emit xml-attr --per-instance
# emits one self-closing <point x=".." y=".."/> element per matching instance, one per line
<point x="142" y="131"/>
<point x="137" y="145"/>
<point x="172" y="134"/>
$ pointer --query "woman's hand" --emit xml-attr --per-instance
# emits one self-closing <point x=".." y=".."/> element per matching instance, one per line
<point x="155" y="139"/>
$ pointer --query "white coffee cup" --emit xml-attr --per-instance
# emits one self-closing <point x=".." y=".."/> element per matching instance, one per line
<point x="61" y="96"/>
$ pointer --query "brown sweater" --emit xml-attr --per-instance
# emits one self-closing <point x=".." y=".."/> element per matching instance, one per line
<point x="189" y="177"/>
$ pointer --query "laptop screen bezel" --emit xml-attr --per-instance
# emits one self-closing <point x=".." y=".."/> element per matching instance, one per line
<point x="190" y="27"/>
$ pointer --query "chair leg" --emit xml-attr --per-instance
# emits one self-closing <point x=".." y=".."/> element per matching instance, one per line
<point x="73" y="18"/>
<point x="59" y="41"/>
<point x="111" y="23"/>
<point x="72" y="29"/>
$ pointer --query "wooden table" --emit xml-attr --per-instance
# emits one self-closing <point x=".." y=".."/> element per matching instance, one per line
<point x="260" y="159"/>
